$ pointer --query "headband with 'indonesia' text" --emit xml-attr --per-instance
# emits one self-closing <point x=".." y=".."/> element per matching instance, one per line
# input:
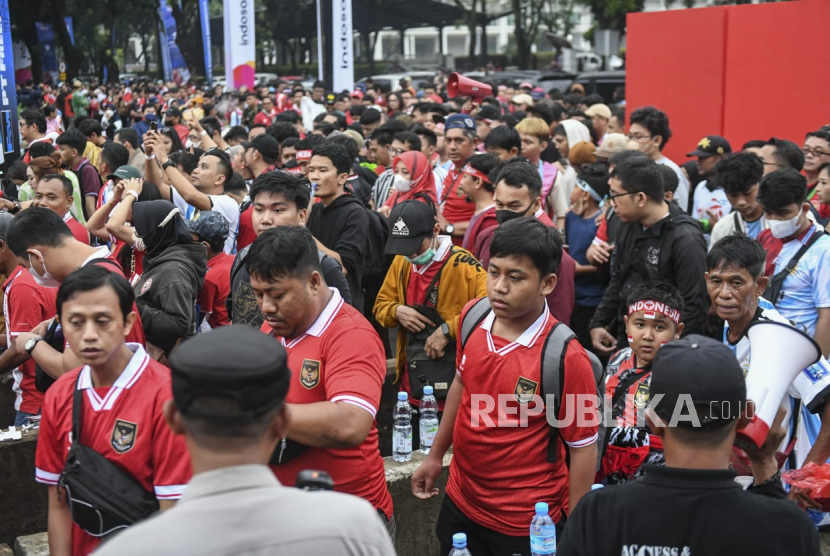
<point x="303" y="155"/>
<point x="651" y="308"/>
<point x="467" y="169"/>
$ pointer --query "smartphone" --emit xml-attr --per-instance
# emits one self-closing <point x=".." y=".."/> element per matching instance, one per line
<point x="154" y="126"/>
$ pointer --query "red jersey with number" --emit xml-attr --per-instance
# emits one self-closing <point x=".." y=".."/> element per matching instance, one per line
<point x="339" y="359"/>
<point x="498" y="472"/>
<point x="26" y="304"/>
<point x="215" y="290"/>
<point x="124" y="423"/>
<point x="454" y="205"/>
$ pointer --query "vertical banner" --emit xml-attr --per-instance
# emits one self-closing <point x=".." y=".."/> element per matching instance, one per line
<point x="176" y="68"/>
<point x="240" y="45"/>
<point x="46" y="38"/>
<point x="204" y="16"/>
<point x="342" y="45"/>
<point x="9" y="138"/>
<point x="320" y="58"/>
<point x="70" y="29"/>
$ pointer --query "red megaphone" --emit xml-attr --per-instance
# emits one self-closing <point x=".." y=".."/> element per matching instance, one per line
<point x="460" y="86"/>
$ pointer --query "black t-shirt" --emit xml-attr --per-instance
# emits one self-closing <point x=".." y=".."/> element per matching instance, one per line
<point x="687" y="512"/>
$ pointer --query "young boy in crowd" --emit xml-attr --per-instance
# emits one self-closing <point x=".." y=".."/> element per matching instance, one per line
<point x="72" y="145"/>
<point x="580" y="229"/>
<point x="535" y="135"/>
<point x="654" y="313"/>
<point x="823" y="191"/>
<point x="211" y="229"/>
<point x="478" y="188"/>
<point x="504" y="142"/>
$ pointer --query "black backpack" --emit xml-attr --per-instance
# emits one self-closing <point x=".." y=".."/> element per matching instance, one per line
<point x="377" y="264"/>
<point x="553" y="373"/>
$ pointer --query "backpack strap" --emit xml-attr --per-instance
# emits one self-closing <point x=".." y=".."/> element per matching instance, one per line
<point x="434" y="283"/>
<point x="235" y="268"/>
<point x="773" y="291"/>
<point x="737" y="222"/>
<point x="553" y="377"/>
<point x="77" y="410"/>
<point x="477" y="313"/>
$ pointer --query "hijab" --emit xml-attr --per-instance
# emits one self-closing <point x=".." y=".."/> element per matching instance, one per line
<point x="159" y="225"/>
<point x="420" y="172"/>
<point x="576" y="132"/>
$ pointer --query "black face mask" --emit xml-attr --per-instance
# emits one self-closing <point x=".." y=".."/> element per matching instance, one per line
<point x="503" y="216"/>
<point x="169" y="123"/>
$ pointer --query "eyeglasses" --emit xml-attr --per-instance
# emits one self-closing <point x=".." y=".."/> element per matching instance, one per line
<point x="396" y="152"/>
<point x="613" y="198"/>
<point x="638" y="138"/>
<point x="815" y="152"/>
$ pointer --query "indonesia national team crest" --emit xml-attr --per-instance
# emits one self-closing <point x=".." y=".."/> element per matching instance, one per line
<point x="123" y="436"/>
<point x="641" y="396"/>
<point x="310" y="373"/>
<point x="525" y="390"/>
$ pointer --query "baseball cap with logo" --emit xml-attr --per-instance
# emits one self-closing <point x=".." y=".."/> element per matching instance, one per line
<point x="711" y="145"/>
<point x="410" y="223"/>
<point x="612" y="144"/>
<point x="125" y="173"/>
<point x="210" y="226"/>
<point x="330" y="98"/>
<point x="459" y="121"/>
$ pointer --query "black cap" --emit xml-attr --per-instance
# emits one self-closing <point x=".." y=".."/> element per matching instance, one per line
<point x="410" y="223"/>
<point x="266" y="145"/>
<point x="330" y="98"/>
<point x="707" y="372"/>
<point x="711" y="145"/>
<point x="238" y="363"/>
<point x="173" y="112"/>
<point x="488" y="112"/>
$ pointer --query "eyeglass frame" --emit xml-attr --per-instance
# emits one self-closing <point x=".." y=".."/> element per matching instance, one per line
<point x="613" y="198"/>
<point x="814" y="152"/>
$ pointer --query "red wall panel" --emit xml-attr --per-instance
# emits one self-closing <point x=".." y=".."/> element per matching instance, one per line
<point x="675" y="62"/>
<point x="778" y="71"/>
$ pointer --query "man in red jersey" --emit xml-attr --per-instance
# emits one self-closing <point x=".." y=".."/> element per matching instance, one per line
<point x="500" y="464"/>
<point x="43" y="244"/>
<point x="122" y="393"/>
<point x="460" y="139"/>
<point x="339" y="367"/>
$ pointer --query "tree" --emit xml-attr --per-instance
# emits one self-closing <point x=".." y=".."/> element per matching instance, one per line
<point x="189" y="34"/>
<point x="528" y="17"/>
<point x="470" y="18"/>
<point x="610" y="14"/>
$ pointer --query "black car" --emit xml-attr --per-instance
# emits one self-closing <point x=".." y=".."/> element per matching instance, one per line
<point x="603" y="83"/>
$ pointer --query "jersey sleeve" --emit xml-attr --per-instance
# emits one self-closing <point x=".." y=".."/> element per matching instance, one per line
<point x="354" y="368"/>
<point x="821" y="280"/>
<point x="582" y="429"/>
<point x="812" y="385"/>
<point x="602" y="231"/>
<point x="171" y="462"/>
<point x="208" y="294"/>
<point x="25" y="311"/>
<point x="50" y="458"/>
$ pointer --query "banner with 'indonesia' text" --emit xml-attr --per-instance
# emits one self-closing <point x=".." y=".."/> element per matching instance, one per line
<point x="342" y="45"/>
<point x="240" y="44"/>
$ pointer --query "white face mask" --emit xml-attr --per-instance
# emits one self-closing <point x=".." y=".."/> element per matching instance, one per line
<point x="401" y="185"/>
<point x="784" y="228"/>
<point x="46" y="281"/>
<point x="193" y="144"/>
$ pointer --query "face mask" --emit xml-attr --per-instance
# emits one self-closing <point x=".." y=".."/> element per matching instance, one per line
<point x="401" y="185"/>
<point x="46" y="281"/>
<point x="188" y="144"/>
<point x="168" y="123"/>
<point x="503" y="216"/>
<point x="784" y="228"/>
<point x="424" y="257"/>
<point x="150" y="118"/>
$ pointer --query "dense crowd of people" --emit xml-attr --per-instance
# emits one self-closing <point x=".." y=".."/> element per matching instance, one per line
<point x="526" y="243"/>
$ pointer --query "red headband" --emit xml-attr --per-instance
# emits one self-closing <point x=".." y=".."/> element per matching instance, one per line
<point x="303" y="155"/>
<point x="295" y="170"/>
<point x="650" y="308"/>
<point x="467" y="169"/>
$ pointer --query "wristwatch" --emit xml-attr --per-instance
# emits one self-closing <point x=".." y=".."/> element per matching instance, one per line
<point x="445" y="330"/>
<point x="449" y="228"/>
<point x="168" y="164"/>
<point x="30" y="345"/>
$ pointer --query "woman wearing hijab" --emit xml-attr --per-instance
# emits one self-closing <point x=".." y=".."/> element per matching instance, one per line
<point x="567" y="134"/>
<point x="174" y="271"/>
<point x="413" y="180"/>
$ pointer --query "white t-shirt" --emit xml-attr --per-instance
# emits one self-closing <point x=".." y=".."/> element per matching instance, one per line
<point x="714" y="201"/>
<point x="681" y="195"/>
<point x="222" y="204"/>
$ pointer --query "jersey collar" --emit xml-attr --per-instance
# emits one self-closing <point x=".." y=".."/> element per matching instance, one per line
<point x="527" y="339"/>
<point x="329" y="312"/>
<point x="138" y="362"/>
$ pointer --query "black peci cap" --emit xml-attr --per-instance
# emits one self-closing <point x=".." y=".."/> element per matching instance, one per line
<point x="237" y="363"/>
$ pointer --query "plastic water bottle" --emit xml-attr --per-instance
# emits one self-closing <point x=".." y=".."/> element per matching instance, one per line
<point x="542" y="532"/>
<point x="459" y="545"/>
<point x="429" y="419"/>
<point x="402" y="430"/>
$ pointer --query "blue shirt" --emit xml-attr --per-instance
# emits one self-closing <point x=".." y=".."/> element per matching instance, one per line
<point x="580" y="232"/>
<point x="754" y="228"/>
